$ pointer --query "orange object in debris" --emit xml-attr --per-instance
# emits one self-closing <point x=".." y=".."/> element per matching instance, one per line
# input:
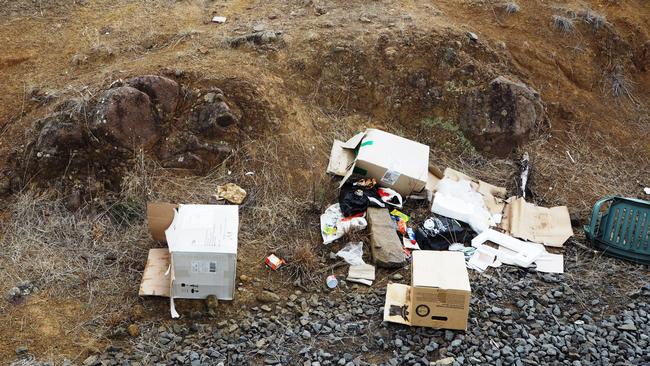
<point x="274" y="262"/>
<point x="401" y="227"/>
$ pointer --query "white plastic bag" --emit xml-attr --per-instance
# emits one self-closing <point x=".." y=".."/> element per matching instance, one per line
<point x="457" y="200"/>
<point x="352" y="253"/>
<point x="333" y="225"/>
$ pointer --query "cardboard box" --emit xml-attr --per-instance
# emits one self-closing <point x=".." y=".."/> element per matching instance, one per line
<point x="395" y="162"/>
<point x="201" y="257"/>
<point x="438" y="296"/>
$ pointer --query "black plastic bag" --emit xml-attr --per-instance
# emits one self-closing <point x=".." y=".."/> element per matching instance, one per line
<point x="355" y="197"/>
<point x="438" y="232"/>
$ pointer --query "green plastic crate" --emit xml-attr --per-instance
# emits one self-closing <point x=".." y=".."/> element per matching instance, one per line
<point x="621" y="227"/>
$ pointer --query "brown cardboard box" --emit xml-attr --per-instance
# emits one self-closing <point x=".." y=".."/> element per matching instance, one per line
<point x="438" y="296"/>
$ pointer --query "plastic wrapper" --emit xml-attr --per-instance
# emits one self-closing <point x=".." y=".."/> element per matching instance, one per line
<point x="334" y="225"/>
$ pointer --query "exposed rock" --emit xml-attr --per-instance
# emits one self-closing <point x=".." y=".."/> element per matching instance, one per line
<point x="212" y="305"/>
<point x="126" y="117"/>
<point x="133" y="330"/>
<point x="58" y="134"/>
<point x="267" y="296"/>
<point x="502" y="117"/>
<point x="258" y="38"/>
<point x="212" y="119"/>
<point x="162" y="91"/>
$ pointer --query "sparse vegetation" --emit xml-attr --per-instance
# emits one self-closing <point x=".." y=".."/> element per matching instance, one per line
<point x="619" y="84"/>
<point x="563" y="23"/>
<point x="452" y="128"/>
<point x="595" y="20"/>
<point x="511" y="8"/>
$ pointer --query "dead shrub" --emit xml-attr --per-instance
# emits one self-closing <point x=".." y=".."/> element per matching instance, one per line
<point x="511" y="8"/>
<point x="563" y="24"/>
<point x="595" y="20"/>
<point x="619" y="84"/>
<point x="302" y="263"/>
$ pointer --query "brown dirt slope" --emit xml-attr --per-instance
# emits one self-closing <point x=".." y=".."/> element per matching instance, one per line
<point x="337" y="67"/>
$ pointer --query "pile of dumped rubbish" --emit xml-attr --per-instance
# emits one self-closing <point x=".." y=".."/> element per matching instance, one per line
<point x="468" y="217"/>
<point x="469" y="224"/>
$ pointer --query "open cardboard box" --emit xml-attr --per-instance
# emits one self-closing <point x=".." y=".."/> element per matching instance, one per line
<point x="201" y="257"/>
<point x="395" y="162"/>
<point x="438" y="296"/>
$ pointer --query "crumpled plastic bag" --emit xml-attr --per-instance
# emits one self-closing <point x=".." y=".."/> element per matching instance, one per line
<point x="390" y="196"/>
<point x="355" y="197"/>
<point x="352" y="253"/>
<point x="334" y="225"/>
<point x="458" y="200"/>
<point x="437" y="232"/>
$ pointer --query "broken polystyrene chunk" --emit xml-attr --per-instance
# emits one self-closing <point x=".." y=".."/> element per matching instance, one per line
<point x="550" y="263"/>
<point x="518" y="252"/>
<point x="458" y="200"/>
<point x="218" y="19"/>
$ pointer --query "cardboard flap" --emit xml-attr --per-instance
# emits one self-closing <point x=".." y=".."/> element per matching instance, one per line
<point x="341" y="159"/>
<point x="396" y="305"/>
<point x="549" y="226"/>
<point x="159" y="216"/>
<point x="440" y="269"/>
<point x="156" y="278"/>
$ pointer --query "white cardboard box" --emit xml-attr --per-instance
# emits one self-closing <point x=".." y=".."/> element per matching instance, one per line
<point x="395" y="162"/>
<point x="201" y="258"/>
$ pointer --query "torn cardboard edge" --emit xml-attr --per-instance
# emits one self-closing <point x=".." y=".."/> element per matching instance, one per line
<point x="549" y="226"/>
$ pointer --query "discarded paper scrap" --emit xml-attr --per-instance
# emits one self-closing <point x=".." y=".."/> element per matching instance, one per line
<point x="492" y="195"/>
<point x="549" y="226"/>
<point x="231" y="193"/>
<point x="362" y="273"/>
<point x="218" y="19"/>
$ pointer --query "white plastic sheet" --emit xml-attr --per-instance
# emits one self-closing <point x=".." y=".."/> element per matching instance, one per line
<point x="352" y="253"/>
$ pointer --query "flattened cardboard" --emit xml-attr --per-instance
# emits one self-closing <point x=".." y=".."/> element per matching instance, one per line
<point x="341" y="159"/>
<point x="362" y="273"/>
<point x="159" y="216"/>
<point x="395" y="162"/>
<point x="397" y="297"/>
<point x="439" y="294"/>
<point x="156" y="277"/>
<point x="549" y="226"/>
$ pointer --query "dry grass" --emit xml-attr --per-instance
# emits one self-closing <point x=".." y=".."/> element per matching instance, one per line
<point x="88" y="256"/>
<point x="595" y="20"/>
<point x="563" y="24"/>
<point x="619" y="85"/>
<point x="511" y="8"/>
